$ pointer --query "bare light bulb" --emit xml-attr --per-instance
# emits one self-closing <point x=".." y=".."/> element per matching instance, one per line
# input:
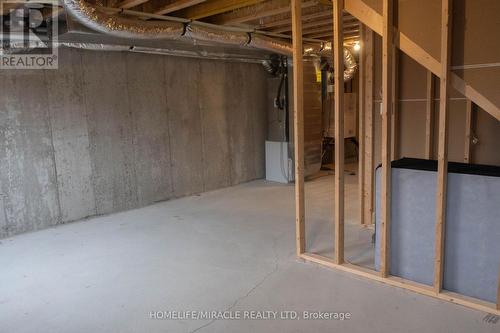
<point x="356" y="46"/>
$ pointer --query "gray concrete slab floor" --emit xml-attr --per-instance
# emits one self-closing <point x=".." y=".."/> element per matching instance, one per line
<point x="231" y="249"/>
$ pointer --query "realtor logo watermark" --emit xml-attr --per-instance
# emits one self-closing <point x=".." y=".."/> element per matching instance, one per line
<point x="248" y="315"/>
<point x="28" y="34"/>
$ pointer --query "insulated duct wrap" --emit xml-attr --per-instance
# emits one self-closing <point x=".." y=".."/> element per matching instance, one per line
<point x="96" y="47"/>
<point x="350" y="65"/>
<point x="199" y="32"/>
<point x="90" y="16"/>
<point x="160" y="51"/>
<point x="271" y="44"/>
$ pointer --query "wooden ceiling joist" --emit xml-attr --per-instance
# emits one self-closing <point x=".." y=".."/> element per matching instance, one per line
<point x="266" y="9"/>
<point x="177" y="5"/>
<point x="288" y="21"/>
<point x="304" y="26"/>
<point x="329" y="36"/>
<point x="213" y="7"/>
<point x="127" y="4"/>
<point x="314" y="15"/>
<point x="322" y="29"/>
<point x="348" y="22"/>
<point x="326" y="30"/>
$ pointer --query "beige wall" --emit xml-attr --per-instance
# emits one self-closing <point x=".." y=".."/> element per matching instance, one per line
<point x="411" y="126"/>
<point x="470" y="47"/>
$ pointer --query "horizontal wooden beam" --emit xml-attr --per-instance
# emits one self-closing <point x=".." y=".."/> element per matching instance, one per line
<point x="329" y="35"/>
<point x="373" y="20"/>
<point x="394" y="281"/>
<point x="213" y="7"/>
<point x="314" y="24"/>
<point x="177" y="5"/>
<point x="288" y="21"/>
<point x="305" y="25"/>
<point x="327" y="29"/>
<point x="258" y="11"/>
<point x="127" y="4"/>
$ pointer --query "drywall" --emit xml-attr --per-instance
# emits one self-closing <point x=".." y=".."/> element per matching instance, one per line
<point x="114" y="131"/>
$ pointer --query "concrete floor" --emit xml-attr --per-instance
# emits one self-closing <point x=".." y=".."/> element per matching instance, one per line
<point x="231" y="249"/>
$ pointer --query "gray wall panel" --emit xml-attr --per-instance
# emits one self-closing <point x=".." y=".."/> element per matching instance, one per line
<point x="472" y="231"/>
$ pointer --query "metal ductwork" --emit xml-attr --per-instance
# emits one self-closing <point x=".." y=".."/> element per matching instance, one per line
<point x="92" y="17"/>
<point x="210" y="34"/>
<point x="350" y="64"/>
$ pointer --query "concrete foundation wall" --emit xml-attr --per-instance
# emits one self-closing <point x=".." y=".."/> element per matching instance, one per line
<point x="109" y="132"/>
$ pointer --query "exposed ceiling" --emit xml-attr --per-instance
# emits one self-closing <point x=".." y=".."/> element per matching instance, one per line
<point x="268" y="15"/>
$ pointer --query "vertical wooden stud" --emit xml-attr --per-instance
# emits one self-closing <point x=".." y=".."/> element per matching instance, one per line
<point x="361" y="126"/>
<point x="446" y="19"/>
<point x="298" y="120"/>
<point x="338" y="65"/>
<point x="395" y="104"/>
<point x="468" y="131"/>
<point x="429" y="117"/>
<point x="369" y="127"/>
<point x="387" y="44"/>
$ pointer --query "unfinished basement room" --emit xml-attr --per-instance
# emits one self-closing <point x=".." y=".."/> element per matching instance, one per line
<point x="249" y="166"/>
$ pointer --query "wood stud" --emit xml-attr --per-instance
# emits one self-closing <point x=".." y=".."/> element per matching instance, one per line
<point x="368" y="55"/>
<point x="442" y="143"/>
<point x="361" y="126"/>
<point x="385" y="186"/>
<point x="338" y="65"/>
<point x="374" y="20"/>
<point x="298" y="121"/>
<point x="429" y="117"/>
<point x="469" y="115"/>
<point x="395" y="103"/>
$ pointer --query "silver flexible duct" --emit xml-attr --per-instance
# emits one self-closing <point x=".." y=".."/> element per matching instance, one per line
<point x="350" y="65"/>
<point x="90" y="16"/>
<point x="160" y="51"/>
<point x="197" y="32"/>
<point x="270" y="44"/>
